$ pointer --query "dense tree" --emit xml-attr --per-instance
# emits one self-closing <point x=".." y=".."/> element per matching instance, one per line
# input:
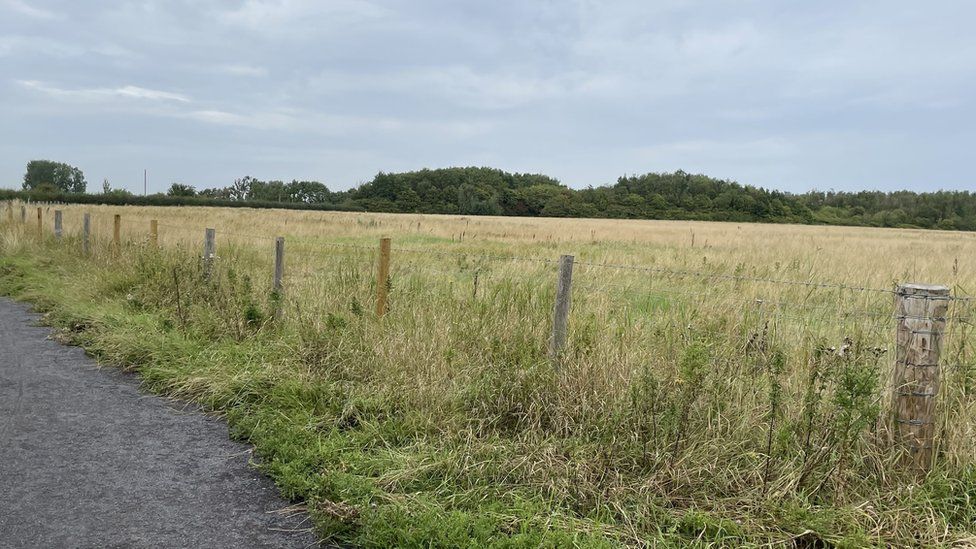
<point x="179" y="189"/>
<point x="250" y="188"/>
<point x="216" y="193"/>
<point x="64" y="177"/>
<point x="107" y="190"/>
<point x="309" y="192"/>
<point x="475" y="191"/>
<point x="241" y="188"/>
<point x="272" y="191"/>
<point x="675" y="195"/>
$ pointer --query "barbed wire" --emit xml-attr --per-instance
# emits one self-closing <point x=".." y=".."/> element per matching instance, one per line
<point x="759" y="304"/>
<point x="546" y="261"/>
<point x="323" y="257"/>
<point x="742" y="278"/>
<point x="345" y="245"/>
<point x="469" y="255"/>
<point x="642" y="268"/>
<point x="591" y="264"/>
<point x="260" y="237"/>
<point x="179" y="228"/>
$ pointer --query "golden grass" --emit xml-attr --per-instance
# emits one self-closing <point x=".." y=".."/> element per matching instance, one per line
<point x="852" y="255"/>
<point x="471" y="300"/>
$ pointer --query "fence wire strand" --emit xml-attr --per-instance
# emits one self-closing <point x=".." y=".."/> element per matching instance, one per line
<point x="312" y="250"/>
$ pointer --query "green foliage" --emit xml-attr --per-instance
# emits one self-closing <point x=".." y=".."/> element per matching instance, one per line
<point x="121" y="194"/>
<point x="250" y="189"/>
<point x="470" y="191"/>
<point x="42" y="174"/>
<point x="504" y="451"/>
<point x="124" y="198"/>
<point x="486" y="191"/>
<point x="179" y="189"/>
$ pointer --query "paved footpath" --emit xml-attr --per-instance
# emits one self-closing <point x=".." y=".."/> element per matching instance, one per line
<point x="88" y="461"/>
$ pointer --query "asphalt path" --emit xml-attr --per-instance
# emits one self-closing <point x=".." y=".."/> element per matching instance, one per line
<point x="87" y="460"/>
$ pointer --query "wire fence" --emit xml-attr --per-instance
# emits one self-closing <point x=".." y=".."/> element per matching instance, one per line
<point x="602" y="284"/>
<point x="633" y="292"/>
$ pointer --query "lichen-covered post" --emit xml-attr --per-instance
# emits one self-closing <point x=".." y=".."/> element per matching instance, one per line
<point x="920" y="311"/>
<point x="560" y="311"/>
<point x="209" y="250"/>
<point x="86" y="233"/>
<point x="279" y="275"/>
<point x="57" y="224"/>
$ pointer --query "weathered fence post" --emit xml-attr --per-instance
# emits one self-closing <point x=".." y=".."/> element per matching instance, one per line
<point x="920" y="310"/>
<point x="209" y="250"/>
<point x="560" y="311"/>
<point x="383" y="277"/>
<point x="57" y="224"/>
<point x="86" y="233"/>
<point x="23" y="214"/>
<point x="279" y="274"/>
<point x="117" y="231"/>
<point x="154" y="232"/>
<point x="40" y="221"/>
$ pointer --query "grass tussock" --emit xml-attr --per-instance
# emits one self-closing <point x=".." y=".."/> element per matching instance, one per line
<point x="687" y="411"/>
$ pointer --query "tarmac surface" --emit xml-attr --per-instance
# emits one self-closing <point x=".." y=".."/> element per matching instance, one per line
<point x="87" y="461"/>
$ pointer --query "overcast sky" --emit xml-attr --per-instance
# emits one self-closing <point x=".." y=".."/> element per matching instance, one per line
<point x="791" y="95"/>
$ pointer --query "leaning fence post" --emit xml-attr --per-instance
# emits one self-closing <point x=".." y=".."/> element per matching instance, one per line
<point x="560" y="312"/>
<point x="117" y="231"/>
<point x="920" y="311"/>
<point x="154" y="232"/>
<point x="209" y="250"/>
<point x="279" y="274"/>
<point x="383" y="277"/>
<point x="57" y="224"/>
<point x="86" y="233"/>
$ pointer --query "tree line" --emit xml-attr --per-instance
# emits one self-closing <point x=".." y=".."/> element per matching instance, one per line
<point x="488" y="191"/>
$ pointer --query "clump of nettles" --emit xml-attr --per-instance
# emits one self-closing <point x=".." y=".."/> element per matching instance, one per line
<point x="217" y="301"/>
<point x="841" y="399"/>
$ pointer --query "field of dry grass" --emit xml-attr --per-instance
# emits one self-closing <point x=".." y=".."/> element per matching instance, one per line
<point x="703" y="397"/>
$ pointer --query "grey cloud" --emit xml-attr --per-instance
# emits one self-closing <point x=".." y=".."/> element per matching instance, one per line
<point x="785" y="94"/>
<point x="22" y="7"/>
<point x="243" y="70"/>
<point x="103" y="94"/>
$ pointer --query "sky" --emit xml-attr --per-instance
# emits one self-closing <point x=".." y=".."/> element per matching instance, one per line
<point x="783" y="94"/>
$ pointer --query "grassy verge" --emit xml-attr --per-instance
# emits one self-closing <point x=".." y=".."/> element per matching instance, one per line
<point x="492" y="458"/>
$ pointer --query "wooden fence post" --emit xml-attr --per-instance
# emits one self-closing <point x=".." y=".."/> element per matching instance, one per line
<point x="560" y="311"/>
<point x="86" y="234"/>
<point x="279" y="274"/>
<point x="40" y="221"/>
<point x="383" y="278"/>
<point x="920" y="311"/>
<point x="57" y="224"/>
<point x="209" y="250"/>
<point x="23" y="214"/>
<point x="117" y="231"/>
<point x="154" y="232"/>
